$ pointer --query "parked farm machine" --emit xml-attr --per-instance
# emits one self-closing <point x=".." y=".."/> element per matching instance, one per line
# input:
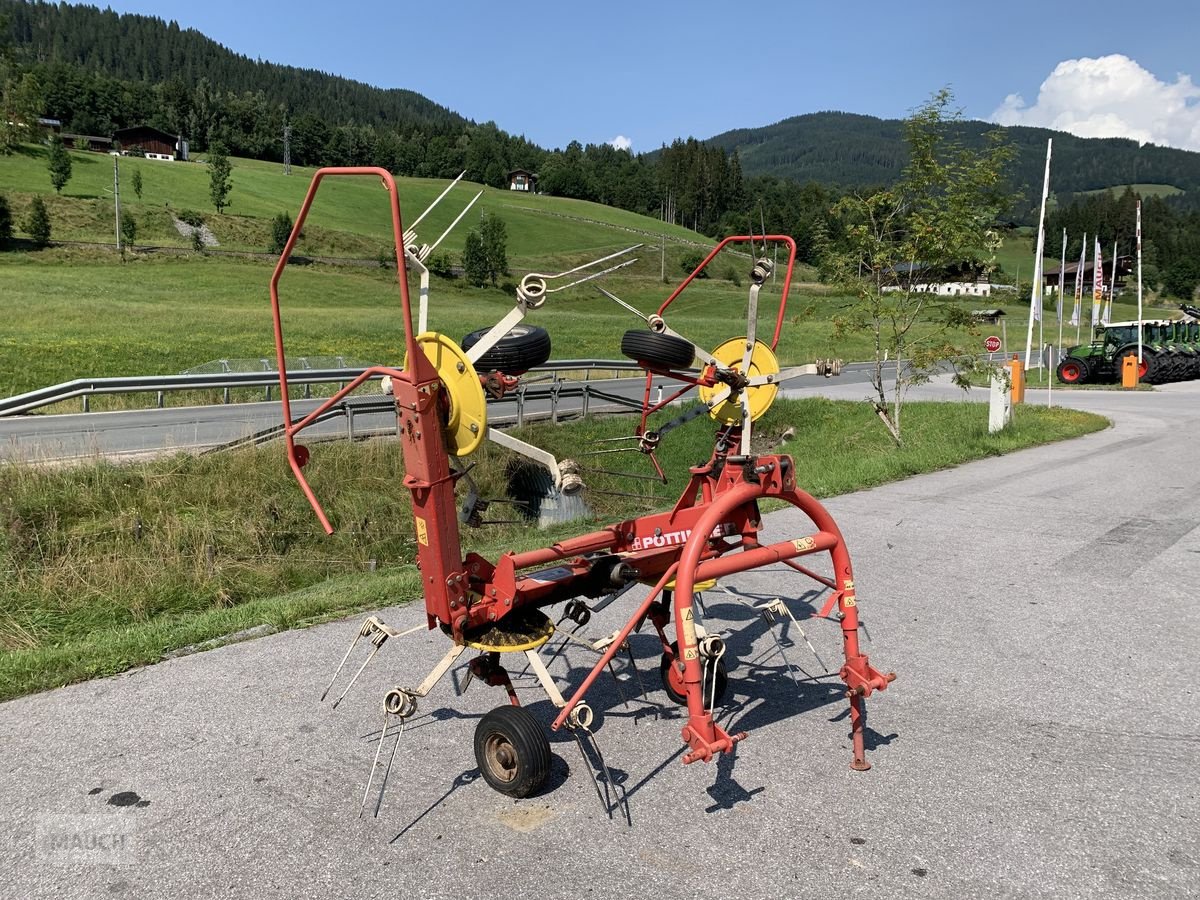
<point x="498" y="607"/>
<point x="1170" y="351"/>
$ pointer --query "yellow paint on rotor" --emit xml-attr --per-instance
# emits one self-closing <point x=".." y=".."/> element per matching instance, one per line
<point x="707" y="585"/>
<point x="759" y="397"/>
<point x="513" y="634"/>
<point x="467" y="426"/>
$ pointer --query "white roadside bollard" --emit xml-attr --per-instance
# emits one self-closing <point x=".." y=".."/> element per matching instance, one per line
<point x="1000" y="409"/>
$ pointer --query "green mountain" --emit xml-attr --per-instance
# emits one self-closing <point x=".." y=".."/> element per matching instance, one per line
<point x="150" y="51"/>
<point x="857" y="151"/>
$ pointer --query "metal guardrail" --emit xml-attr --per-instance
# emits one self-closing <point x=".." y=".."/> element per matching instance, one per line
<point x="552" y="392"/>
<point x="227" y="381"/>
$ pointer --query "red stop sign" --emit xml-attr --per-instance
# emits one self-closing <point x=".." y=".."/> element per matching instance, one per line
<point x="992" y="344"/>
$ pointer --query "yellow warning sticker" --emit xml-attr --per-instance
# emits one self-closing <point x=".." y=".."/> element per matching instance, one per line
<point x="422" y="532"/>
<point x="687" y="615"/>
<point x="848" y="600"/>
<point x="691" y="653"/>
<point x="804" y="544"/>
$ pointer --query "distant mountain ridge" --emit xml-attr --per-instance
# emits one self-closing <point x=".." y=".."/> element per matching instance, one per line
<point x="856" y="151"/>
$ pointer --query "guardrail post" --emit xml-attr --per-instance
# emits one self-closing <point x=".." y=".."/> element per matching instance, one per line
<point x="349" y="421"/>
<point x="521" y="406"/>
<point x="225" y="395"/>
<point x="587" y="396"/>
<point x="554" y="401"/>
<point x="160" y="399"/>
<point x="85" y="403"/>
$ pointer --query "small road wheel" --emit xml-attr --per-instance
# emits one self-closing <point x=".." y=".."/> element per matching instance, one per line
<point x="1072" y="370"/>
<point x="672" y="678"/>
<point x="512" y="751"/>
<point x="522" y="348"/>
<point x="660" y="351"/>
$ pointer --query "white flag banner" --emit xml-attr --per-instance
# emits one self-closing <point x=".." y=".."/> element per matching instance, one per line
<point x="1097" y="284"/>
<point x="1077" y="309"/>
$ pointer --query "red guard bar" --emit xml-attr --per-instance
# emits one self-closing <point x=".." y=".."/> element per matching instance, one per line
<point x="416" y="361"/>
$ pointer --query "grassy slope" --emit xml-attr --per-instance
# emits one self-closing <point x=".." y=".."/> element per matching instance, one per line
<point x="88" y="593"/>
<point x="538" y="227"/>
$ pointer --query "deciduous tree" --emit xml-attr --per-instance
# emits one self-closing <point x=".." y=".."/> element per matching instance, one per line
<point x="58" y="161"/>
<point x="899" y="243"/>
<point x="219" y="181"/>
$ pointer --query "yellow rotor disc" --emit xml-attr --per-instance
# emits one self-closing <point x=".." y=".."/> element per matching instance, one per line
<point x="760" y="397"/>
<point x="467" y="425"/>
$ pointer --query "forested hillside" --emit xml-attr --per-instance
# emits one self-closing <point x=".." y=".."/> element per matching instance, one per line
<point x="97" y="71"/>
<point x="861" y="151"/>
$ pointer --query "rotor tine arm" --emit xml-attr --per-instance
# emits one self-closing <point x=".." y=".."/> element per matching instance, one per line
<point x="428" y="209"/>
<point x="827" y="368"/>
<point x="751" y="328"/>
<point x="537" y="454"/>
<point x="425" y="251"/>
<point x="595" y="262"/>
<point x="495" y="333"/>
<point x="592" y="275"/>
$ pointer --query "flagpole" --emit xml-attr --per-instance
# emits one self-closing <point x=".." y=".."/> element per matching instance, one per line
<point x="1097" y="284"/>
<point x="1035" y="307"/>
<point x="1112" y="287"/>
<point x="1062" y="283"/>
<point x="1077" y="314"/>
<point x="1139" y="260"/>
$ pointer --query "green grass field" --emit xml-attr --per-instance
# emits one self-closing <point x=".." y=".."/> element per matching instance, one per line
<point x="350" y="216"/>
<point x="109" y="566"/>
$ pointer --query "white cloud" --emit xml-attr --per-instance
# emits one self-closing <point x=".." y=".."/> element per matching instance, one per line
<point x="621" y="142"/>
<point x="1111" y="96"/>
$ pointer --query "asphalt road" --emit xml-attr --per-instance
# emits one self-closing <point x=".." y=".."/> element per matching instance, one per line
<point x="1041" y="739"/>
<point x="125" y="433"/>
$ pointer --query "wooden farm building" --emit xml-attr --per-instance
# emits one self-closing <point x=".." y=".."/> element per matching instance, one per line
<point x="1124" y="265"/>
<point x="151" y="142"/>
<point x="521" y="180"/>
<point x="87" y="142"/>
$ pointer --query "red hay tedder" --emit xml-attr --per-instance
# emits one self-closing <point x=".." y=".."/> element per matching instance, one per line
<point x="712" y="531"/>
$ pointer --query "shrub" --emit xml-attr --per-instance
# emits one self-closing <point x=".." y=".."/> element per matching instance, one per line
<point x="690" y="260"/>
<point x="441" y="265"/>
<point x="5" y="221"/>
<point x="38" y="224"/>
<point x="281" y="230"/>
<point x="128" y="231"/>
<point x="190" y="217"/>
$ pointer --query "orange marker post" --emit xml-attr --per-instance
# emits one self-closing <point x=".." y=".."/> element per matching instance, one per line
<point x="1017" y="371"/>
<point x="1129" y="372"/>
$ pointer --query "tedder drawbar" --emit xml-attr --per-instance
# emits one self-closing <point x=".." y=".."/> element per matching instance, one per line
<point x="496" y="607"/>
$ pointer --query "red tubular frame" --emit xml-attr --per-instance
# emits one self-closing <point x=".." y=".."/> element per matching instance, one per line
<point x="688" y="544"/>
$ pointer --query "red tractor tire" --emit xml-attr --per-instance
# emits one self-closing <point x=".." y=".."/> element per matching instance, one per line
<point x="1072" y="370"/>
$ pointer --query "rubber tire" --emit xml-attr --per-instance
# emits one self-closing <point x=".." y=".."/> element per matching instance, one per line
<point x="524" y="347"/>
<point x="664" y="672"/>
<point x="1078" y="363"/>
<point x="663" y="351"/>
<point x="1147" y="363"/>
<point x="513" y="729"/>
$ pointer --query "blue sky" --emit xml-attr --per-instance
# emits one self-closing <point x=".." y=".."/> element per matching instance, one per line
<point x="653" y="71"/>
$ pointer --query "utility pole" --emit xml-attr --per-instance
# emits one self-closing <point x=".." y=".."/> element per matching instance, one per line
<point x="287" y="149"/>
<point x="117" y="196"/>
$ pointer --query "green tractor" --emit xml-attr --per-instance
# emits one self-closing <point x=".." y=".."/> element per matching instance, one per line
<point x="1170" y="351"/>
<point x="1101" y="360"/>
